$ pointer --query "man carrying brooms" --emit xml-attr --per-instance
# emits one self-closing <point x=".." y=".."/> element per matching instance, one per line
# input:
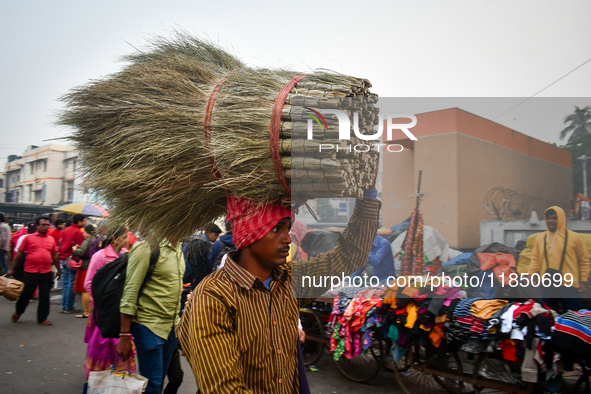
<point x="240" y="328"/>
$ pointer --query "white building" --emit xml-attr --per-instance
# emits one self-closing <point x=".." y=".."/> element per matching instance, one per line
<point x="43" y="175"/>
<point x="2" y="185"/>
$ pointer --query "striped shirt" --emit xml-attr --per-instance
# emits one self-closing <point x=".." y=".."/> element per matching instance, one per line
<point x="240" y="337"/>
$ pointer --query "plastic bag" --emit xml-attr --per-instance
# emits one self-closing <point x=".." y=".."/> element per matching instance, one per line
<point x="109" y="382"/>
<point x="11" y="288"/>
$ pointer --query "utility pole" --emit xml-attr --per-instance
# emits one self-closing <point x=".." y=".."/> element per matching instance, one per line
<point x="584" y="204"/>
<point x="584" y="158"/>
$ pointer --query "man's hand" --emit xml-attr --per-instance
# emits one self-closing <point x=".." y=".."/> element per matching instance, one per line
<point x="302" y="335"/>
<point x="582" y="287"/>
<point x="58" y="274"/>
<point x="9" y="273"/>
<point x="124" y="347"/>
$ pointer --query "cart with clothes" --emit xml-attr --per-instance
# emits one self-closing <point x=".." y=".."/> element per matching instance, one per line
<point x="437" y="339"/>
<point x="437" y="336"/>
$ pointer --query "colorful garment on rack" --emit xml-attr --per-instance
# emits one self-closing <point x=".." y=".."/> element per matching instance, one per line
<point x="352" y="321"/>
<point x="413" y="262"/>
<point x="572" y="332"/>
<point x="485" y="309"/>
<point x="464" y="325"/>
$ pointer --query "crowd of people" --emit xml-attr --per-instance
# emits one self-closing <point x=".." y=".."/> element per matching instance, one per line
<point x="237" y="278"/>
<point x="242" y="312"/>
<point x="38" y="251"/>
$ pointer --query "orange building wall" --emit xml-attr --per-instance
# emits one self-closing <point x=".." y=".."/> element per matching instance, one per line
<point x="484" y="165"/>
<point x="463" y="156"/>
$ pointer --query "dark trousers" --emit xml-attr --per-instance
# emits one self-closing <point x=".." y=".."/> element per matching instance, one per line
<point x="175" y="373"/>
<point x="3" y="263"/>
<point x="31" y="281"/>
<point x="567" y="296"/>
<point x="154" y="355"/>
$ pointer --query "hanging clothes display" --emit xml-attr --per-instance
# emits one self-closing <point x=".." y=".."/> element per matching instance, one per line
<point x="413" y="262"/>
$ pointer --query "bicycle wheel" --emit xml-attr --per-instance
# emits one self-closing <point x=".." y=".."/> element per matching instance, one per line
<point x="583" y="383"/>
<point x="313" y="347"/>
<point x="364" y="367"/>
<point x="498" y="376"/>
<point x="417" y="372"/>
<point x="388" y="360"/>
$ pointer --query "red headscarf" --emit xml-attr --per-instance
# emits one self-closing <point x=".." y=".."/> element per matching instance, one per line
<point x="251" y="221"/>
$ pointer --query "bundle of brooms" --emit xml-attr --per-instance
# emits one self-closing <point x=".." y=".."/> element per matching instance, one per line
<point x="185" y="124"/>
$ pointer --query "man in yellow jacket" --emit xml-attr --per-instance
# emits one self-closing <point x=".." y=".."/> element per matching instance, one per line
<point x="549" y="257"/>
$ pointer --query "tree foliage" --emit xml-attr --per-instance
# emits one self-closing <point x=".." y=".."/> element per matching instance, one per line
<point x="579" y="147"/>
<point x="579" y="123"/>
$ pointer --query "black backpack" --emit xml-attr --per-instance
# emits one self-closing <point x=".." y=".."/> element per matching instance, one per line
<point x="224" y="251"/>
<point x="107" y="289"/>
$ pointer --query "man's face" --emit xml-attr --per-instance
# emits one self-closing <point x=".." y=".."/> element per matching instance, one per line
<point x="272" y="250"/>
<point x="61" y="226"/>
<point x="43" y="226"/>
<point x="552" y="222"/>
<point x="82" y="223"/>
<point x="212" y="236"/>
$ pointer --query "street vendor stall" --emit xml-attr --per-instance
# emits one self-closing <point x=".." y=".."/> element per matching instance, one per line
<point x="454" y="334"/>
<point x="440" y="341"/>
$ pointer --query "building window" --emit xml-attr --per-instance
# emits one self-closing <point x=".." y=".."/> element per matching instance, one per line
<point x="69" y="191"/>
<point x="38" y="195"/>
<point x="1" y="183"/>
<point x="41" y="165"/>
<point x="32" y="168"/>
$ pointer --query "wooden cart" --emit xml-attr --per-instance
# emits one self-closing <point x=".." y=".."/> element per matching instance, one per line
<point x="419" y="372"/>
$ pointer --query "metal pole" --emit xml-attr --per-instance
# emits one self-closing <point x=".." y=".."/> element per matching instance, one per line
<point x="584" y="158"/>
<point x="419" y="190"/>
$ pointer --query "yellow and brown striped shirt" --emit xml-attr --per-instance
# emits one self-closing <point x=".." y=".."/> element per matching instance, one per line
<point x="240" y="337"/>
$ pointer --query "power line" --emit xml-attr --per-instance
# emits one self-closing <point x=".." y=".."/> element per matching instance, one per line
<point x="541" y="90"/>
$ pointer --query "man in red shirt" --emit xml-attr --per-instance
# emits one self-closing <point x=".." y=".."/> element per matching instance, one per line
<point x="72" y="236"/>
<point x="56" y="232"/>
<point x="41" y="254"/>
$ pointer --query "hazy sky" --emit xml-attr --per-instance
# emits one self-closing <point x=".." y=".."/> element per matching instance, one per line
<point x="415" y="48"/>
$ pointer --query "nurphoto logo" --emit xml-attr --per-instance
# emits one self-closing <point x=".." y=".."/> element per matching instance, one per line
<point x="344" y="125"/>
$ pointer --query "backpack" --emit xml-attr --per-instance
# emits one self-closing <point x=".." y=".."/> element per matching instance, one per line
<point x="107" y="289"/>
<point x="224" y="251"/>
